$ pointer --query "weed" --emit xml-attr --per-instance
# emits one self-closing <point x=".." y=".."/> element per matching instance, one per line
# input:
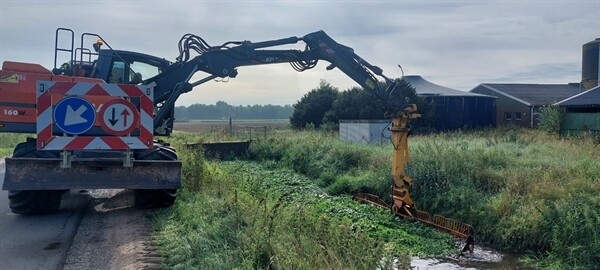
<point x="8" y="141"/>
<point x="248" y="216"/>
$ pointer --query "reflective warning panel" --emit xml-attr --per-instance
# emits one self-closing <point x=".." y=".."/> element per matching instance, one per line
<point x="75" y="115"/>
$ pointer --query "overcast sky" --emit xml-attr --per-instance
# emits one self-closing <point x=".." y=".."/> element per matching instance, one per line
<point x="458" y="44"/>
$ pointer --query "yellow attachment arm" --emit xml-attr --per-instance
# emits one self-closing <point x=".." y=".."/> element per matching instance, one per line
<point x="400" y="129"/>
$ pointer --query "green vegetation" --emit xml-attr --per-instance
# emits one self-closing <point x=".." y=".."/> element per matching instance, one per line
<point x="222" y="110"/>
<point x="550" y="118"/>
<point x="245" y="215"/>
<point x="326" y="105"/>
<point x="311" y="108"/>
<point x="522" y="190"/>
<point x="8" y="141"/>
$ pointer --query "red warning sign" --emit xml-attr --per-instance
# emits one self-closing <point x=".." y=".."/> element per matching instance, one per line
<point x="119" y="117"/>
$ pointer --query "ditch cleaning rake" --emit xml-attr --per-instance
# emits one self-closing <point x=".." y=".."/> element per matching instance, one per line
<point x="402" y="205"/>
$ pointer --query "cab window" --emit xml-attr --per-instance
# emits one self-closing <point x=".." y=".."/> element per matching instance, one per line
<point x="132" y="73"/>
<point x="145" y="70"/>
<point x="117" y="73"/>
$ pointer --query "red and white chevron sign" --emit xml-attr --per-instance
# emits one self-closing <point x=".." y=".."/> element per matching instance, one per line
<point x="46" y="116"/>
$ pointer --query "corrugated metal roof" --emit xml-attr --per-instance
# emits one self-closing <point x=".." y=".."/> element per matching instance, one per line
<point x="588" y="98"/>
<point x="425" y="87"/>
<point x="536" y="94"/>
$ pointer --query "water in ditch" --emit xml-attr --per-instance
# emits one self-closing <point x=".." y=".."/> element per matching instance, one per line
<point x="481" y="258"/>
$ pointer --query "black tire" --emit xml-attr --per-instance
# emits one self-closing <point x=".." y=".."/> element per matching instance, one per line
<point x="155" y="198"/>
<point x="34" y="202"/>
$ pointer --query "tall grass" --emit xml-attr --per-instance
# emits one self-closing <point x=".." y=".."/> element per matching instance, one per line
<point x="8" y="141"/>
<point x="339" y="167"/>
<point x="243" y="215"/>
<point x="523" y="191"/>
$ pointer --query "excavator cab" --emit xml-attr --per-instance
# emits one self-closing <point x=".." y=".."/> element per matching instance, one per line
<point x="112" y="66"/>
<point x="128" y="67"/>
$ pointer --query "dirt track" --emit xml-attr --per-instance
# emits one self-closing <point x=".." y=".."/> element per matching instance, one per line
<point x="113" y="235"/>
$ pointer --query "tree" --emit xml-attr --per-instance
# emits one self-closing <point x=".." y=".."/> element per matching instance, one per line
<point x="312" y="106"/>
<point x="357" y="103"/>
<point x="550" y="118"/>
<point x="181" y="113"/>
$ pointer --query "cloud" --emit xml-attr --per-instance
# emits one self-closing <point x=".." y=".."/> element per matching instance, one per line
<point x="458" y="44"/>
<point x="543" y="73"/>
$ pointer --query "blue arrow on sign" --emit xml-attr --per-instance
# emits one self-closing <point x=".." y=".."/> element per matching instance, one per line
<point x="74" y="115"/>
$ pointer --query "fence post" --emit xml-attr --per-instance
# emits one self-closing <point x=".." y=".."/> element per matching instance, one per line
<point x="230" y="128"/>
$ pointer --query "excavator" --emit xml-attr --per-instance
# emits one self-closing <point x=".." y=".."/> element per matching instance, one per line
<point x="95" y="117"/>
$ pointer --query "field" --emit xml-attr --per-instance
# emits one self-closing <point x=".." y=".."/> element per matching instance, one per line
<point x="524" y="192"/>
<point x="223" y="125"/>
<point x="223" y="130"/>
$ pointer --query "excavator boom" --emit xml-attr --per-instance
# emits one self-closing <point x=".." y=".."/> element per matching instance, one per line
<point x="222" y="62"/>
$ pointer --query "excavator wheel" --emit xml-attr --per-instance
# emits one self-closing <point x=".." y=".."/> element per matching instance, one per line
<point x="34" y="202"/>
<point x="155" y="198"/>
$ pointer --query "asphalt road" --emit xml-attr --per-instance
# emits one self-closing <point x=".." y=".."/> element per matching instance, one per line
<point x="38" y="242"/>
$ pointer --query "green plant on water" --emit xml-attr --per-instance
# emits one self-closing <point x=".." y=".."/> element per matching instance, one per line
<point x="248" y="216"/>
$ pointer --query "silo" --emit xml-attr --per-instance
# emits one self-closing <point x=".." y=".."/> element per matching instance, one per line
<point x="590" y="71"/>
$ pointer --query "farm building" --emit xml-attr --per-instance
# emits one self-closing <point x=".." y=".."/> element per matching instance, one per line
<point x="455" y="109"/>
<point x="519" y="104"/>
<point x="582" y="113"/>
<point x="365" y="131"/>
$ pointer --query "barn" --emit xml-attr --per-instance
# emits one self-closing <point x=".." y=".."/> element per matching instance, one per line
<point x="455" y="109"/>
<point x="519" y="104"/>
<point x="582" y="114"/>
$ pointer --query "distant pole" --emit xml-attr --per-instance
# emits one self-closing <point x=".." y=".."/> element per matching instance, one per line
<point x="230" y="127"/>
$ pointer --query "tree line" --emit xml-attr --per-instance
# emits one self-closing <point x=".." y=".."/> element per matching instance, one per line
<point x="326" y="105"/>
<point x="222" y="110"/>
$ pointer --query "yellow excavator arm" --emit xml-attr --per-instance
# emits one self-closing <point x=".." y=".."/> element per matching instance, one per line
<point x="402" y="204"/>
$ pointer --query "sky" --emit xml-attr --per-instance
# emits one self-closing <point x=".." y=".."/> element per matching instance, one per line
<point x="457" y="44"/>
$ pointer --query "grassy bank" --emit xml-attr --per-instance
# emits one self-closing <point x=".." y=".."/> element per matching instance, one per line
<point x="522" y="190"/>
<point x="247" y="215"/>
<point x="8" y="141"/>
